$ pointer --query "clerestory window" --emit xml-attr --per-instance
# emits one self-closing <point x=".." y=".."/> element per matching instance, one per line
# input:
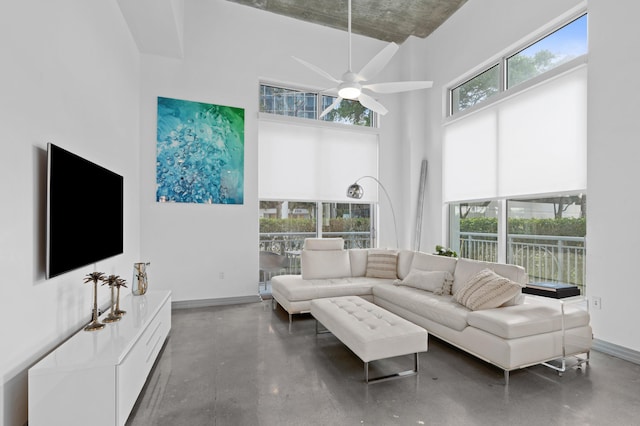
<point x="555" y="49"/>
<point x="310" y="105"/>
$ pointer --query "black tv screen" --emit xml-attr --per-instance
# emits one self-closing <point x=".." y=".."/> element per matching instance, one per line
<point x="84" y="212"/>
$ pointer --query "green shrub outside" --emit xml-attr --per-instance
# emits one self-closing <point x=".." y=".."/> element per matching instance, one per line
<point x="564" y="227"/>
<point x="567" y="227"/>
<point x="270" y="225"/>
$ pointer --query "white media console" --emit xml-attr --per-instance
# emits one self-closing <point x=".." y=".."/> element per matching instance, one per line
<point x="94" y="378"/>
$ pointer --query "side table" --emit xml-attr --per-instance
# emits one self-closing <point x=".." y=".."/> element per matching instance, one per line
<point x="577" y="361"/>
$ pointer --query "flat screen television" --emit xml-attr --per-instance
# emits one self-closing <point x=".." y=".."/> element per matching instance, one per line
<point x="84" y="212"/>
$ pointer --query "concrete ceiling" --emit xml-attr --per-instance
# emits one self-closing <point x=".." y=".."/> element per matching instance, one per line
<point x="387" y="20"/>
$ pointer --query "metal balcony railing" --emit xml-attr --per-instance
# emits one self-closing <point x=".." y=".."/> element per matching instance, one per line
<point x="290" y="243"/>
<point x="545" y="257"/>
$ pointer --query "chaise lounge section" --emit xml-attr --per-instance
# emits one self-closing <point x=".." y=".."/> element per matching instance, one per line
<point x="475" y="306"/>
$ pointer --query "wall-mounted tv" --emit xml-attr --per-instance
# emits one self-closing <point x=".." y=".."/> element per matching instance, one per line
<point x="84" y="212"/>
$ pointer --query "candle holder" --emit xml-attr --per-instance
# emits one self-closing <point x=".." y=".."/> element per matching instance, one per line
<point x="111" y="281"/>
<point x="120" y="282"/>
<point x="95" y="324"/>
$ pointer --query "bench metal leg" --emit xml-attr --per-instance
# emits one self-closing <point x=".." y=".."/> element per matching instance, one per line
<point x="319" y="331"/>
<point x="391" y="376"/>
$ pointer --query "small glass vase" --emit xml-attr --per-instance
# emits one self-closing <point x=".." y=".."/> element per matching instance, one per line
<point x="139" y="282"/>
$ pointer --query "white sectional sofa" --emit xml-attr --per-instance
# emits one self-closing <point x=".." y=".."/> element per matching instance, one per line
<point x="475" y="306"/>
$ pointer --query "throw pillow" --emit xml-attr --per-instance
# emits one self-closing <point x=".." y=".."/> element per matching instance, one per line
<point x="486" y="290"/>
<point x="433" y="281"/>
<point x="382" y="264"/>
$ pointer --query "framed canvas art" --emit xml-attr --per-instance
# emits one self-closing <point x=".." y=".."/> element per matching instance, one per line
<point x="199" y="153"/>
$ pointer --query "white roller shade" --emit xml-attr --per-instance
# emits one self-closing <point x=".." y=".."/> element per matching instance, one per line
<point x="469" y="158"/>
<point x="531" y="143"/>
<point x="314" y="162"/>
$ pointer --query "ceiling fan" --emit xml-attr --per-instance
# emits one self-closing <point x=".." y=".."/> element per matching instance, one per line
<point x="353" y="85"/>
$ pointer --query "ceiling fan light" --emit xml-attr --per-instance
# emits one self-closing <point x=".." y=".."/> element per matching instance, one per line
<point x="349" y="92"/>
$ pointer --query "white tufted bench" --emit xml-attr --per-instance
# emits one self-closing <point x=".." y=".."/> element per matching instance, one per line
<point x="369" y="331"/>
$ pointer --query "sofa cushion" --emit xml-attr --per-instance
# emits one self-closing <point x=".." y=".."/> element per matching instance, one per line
<point x="466" y="268"/>
<point x="295" y="288"/>
<point x="317" y="264"/>
<point x="433" y="281"/>
<point x="527" y="320"/>
<point x="441" y="309"/>
<point x="405" y="258"/>
<point x="323" y="244"/>
<point x="382" y="264"/>
<point x="358" y="259"/>
<point x="486" y="290"/>
<point x="432" y="262"/>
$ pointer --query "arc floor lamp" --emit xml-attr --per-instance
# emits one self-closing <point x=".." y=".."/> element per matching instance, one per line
<point x="356" y="191"/>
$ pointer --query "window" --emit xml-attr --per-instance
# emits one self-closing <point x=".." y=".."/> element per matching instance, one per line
<point x="347" y="112"/>
<point x="292" y="103"/>
<point x="476" y="90"/>
<point x="498" y="159"/>
<point x="349" y="221"/>
<point x="557" y="48"/>
<point x="309" y="104"/>
<point x="474" y="230"/>
<point x="284" y="225"/>
<point x="546" y="236"/>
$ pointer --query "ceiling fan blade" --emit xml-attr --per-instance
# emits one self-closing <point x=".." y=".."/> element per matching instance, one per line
<point x="317" y="70"/>
<point x="330" y="107"/>
<point x="368" y="102"/>
<point x="333" y="91"/>
<point x="398" y="86"/>
<point x="378" y="62"/>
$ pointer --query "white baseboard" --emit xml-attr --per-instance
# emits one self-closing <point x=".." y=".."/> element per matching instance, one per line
<point x="617" y="351"/>
<point x="204" y="303"/>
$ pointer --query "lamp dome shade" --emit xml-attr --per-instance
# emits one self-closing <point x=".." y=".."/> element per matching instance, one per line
<point x="355" y="191"/>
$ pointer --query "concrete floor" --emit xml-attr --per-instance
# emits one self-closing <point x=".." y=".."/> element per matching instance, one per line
<point x="242" y="365"/>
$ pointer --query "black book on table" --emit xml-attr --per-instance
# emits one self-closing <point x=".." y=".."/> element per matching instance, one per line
<point x="555" y="290"/>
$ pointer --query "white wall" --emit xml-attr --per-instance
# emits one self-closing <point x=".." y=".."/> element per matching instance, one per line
<point x="228" y="49"/>
<point x="612" y="172"/>
<point x="69" y="75"/>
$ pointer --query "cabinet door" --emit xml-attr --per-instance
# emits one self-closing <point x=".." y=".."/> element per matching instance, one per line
<point x="133" y="371"/>
<point x="85" y="396"/>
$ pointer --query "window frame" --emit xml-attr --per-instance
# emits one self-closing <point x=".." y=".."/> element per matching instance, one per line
<point x="319" y="219"/>
<point x="319" y="104"/>
<point x="503" y="237"/>
<point x="501" y="61"/>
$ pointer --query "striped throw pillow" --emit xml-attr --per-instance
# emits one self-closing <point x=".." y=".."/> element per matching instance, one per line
<point x="382" y="264"/>
<point x="486" y="290"/>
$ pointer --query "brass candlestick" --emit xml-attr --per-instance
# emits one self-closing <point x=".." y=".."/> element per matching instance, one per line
<point x="120" y="282"/>
<point x="111" y="281"/>
<point x="94" y="325"/>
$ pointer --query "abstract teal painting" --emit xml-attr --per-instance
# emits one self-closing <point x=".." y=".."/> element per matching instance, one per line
<point x="200" y="153"/>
